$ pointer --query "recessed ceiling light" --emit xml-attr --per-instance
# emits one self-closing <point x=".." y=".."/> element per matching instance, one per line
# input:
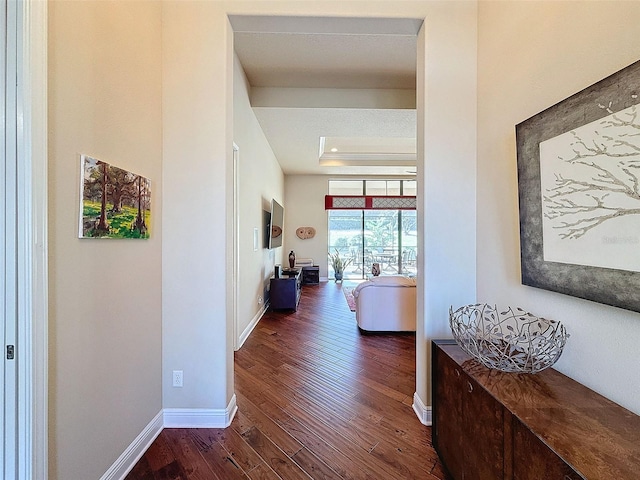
<point x="334" y="149"/>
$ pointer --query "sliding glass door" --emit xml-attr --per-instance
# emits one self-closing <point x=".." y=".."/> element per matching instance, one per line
<point x="365" y="237"/>
<point x="381" y="239"/>
<point x="345" y="237"/>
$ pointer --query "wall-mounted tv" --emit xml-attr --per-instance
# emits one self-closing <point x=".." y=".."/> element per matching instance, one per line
<point x="276" y="225"/>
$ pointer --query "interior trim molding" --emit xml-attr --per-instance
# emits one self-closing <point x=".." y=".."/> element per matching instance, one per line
<point x="370" y="202"/>
<point x="33" y="432"/>
<point x="200" y="417"/>
<point x="125" y="462"/>
<point x="247" y="331"/>
<point x="169" y="418"/>
<point x="422" y="411"/>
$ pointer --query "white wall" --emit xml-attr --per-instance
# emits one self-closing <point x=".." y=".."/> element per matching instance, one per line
<point x="260" y="179"/>
<point x="531" y="56"/>
<point x="104" y="295"/>
<point x="197" y="105"/>
<point x="446" y="114"/>
<point x="305" y="208"/>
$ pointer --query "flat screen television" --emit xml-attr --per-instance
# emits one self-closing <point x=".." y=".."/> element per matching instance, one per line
<point x="276" y="225"/>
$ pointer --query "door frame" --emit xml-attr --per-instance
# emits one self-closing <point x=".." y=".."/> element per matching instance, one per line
<point x="235" y="273"/>
<point x="31" y="252"/>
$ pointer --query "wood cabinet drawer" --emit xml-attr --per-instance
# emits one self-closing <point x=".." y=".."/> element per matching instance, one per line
<point x="490" y="425"/>
<point x="465" y="416"/>
<point x="533" y="460"/>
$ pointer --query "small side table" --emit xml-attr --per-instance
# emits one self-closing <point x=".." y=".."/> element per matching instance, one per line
<point x="311" y="275"/>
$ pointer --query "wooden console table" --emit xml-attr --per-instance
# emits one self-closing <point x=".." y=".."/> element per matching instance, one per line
<point x="489" y="424"/>
<point x="284" y="291"/>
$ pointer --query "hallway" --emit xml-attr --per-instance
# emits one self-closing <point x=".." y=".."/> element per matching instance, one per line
<point x="316" y="398"/>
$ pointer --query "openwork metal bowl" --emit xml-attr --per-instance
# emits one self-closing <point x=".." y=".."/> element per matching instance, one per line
<point x="511" y="340"/>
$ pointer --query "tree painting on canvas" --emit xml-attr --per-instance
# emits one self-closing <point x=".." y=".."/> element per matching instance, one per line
<point x="114" y="203"/>
<point x="590" y="182"/>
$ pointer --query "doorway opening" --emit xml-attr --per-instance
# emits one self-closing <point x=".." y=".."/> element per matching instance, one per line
<point x="276" y="90"/>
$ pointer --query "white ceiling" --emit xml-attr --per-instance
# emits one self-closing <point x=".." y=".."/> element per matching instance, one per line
<point x="342" y="78"/>
<point x="327" y="60"/>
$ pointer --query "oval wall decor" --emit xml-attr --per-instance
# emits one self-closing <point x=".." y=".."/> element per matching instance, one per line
<point x="304" y="233"/>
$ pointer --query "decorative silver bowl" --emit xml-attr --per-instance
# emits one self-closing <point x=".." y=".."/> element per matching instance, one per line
<point x="511" y="340"/>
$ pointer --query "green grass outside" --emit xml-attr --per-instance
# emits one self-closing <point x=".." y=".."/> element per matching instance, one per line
<point x="119" y="224"/>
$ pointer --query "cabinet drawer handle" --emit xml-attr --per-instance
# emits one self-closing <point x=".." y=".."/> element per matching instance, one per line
<point x="469" y="387"/>
<point x="457" y="372"/>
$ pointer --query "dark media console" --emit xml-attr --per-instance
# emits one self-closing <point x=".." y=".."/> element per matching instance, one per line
<point x="284" y="291"/>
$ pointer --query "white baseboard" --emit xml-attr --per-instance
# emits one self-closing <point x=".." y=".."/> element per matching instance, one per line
<point x="200" y="417"/>
<point x="169" y="418"/>
<point x="123" y="465"/>
<point x="422" y="411"/>
<point x="247" y="331"/>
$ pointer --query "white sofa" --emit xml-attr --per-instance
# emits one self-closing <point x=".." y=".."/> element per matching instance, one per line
<point x="386" y="304"/>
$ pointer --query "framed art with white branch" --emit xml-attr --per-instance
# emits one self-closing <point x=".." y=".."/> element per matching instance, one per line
<point x="579" y="193"/>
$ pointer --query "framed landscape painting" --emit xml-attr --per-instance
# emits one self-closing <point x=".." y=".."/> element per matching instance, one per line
<point x="114" y="203"/>
<point x="579" y="193"/>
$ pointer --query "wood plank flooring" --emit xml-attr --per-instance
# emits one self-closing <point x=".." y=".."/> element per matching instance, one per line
<point x="316" y="399"/>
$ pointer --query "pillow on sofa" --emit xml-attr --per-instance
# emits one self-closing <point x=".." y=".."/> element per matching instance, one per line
<point x="395" y="280"/>
<point x="386" y="281"/>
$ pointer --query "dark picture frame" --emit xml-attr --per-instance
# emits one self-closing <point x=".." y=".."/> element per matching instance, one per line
<point x="612" y="286"/>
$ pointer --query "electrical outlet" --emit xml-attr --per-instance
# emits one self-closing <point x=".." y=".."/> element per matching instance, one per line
<point x="177" y="378"/>
<point x="259" y="300"/>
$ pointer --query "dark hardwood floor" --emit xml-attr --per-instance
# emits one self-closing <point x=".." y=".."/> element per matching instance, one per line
<point x="316" y="399"/>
